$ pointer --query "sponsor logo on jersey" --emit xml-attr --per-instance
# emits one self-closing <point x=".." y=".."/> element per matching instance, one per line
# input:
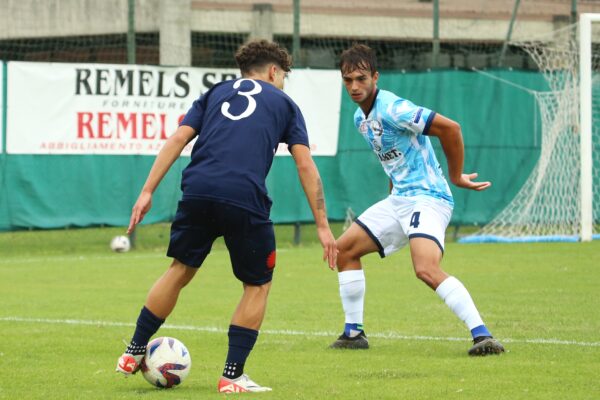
<point x="390" y="155"/>
<point x="416" y="117"/>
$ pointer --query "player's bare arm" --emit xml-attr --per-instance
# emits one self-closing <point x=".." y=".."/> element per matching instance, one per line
<point x="313" y="188"/>
<point x="450" y="136"/>
<point x="165" y="158"/>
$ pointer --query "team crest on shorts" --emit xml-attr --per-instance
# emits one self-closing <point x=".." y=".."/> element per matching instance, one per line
<point x="271" y="260"/>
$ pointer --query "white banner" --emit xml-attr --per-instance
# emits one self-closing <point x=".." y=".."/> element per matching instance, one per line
<point x="58" y="108"/>
<point x="318" y="93"/>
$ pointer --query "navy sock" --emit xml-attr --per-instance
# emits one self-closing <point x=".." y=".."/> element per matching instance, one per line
<point x="147" y="325"/>
<point x="480" y="330"/>
<point x="241" y="342"/>
<point x="352" y="327"/>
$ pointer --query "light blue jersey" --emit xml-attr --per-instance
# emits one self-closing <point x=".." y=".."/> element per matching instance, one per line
<point x="396" y="130"/>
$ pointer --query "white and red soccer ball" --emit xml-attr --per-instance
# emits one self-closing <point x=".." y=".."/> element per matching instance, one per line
<point x="167" y="362"/>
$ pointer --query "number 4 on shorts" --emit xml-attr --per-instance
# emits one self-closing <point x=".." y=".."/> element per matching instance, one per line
<point x="414" y="220"/>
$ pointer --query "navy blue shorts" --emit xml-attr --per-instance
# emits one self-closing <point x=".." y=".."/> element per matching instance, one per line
<point x="249" y="237"/>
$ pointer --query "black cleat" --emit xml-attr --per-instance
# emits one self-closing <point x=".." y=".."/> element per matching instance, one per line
<point x="359" y="341"/>
<point x="484" y="345"/>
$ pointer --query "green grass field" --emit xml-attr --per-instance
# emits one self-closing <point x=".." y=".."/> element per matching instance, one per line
<point x="68" y="302"/>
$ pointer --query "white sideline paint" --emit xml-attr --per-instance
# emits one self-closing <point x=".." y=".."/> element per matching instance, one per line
<point x="388" y="335"/>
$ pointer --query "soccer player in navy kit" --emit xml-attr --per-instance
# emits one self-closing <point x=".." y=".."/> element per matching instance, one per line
<point x="238" y="125"/>
<point x="419" y="207"/>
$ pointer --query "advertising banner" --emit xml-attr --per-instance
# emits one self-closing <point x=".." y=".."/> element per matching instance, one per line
<point x="57" y="108"/>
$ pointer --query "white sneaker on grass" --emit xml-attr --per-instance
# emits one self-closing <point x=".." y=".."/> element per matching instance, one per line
<point x="240" y="385"/>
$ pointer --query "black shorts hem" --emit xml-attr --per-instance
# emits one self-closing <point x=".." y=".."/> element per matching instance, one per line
<point x="373" y="237"/>
<point x="184" y="261"/>
<point x="423" y="235"/>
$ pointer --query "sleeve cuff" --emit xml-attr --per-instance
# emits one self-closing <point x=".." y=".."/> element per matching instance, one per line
<point x="428" y="123"/>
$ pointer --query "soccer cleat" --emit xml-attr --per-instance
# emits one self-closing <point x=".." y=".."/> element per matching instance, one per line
<point x="484" y="345"/>
<point x="129" y="363"/>
<point x="240" y="384"/>
<point x="359" y="341"/>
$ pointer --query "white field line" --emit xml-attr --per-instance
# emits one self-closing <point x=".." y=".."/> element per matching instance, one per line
<point x="211" y="329"/>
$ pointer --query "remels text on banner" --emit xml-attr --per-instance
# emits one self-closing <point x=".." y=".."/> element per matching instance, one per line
<point x="133" y="109"/>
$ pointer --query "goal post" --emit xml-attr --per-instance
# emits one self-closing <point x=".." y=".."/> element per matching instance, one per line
<point x="585" y="110"/>
<point x="560" y="200"/>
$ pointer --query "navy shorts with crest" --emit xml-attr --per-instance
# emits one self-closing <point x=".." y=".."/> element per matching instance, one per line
<point x="248" y="236"/>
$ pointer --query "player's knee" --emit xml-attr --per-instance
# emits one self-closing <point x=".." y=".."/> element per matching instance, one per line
<point x="430" y="274"/>
<point x="347" y="255"/>
<point x="181" y="274"/>
<point x="342" y="260"/>
<point x="261" y="291"/>
<point x="265" y="288"/>
<point x="424" y="273"/>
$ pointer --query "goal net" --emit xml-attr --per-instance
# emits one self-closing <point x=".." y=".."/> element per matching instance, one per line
<point x="560" y="201"/>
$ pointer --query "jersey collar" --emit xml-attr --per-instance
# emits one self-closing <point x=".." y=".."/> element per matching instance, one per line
<point x="372" y="104"/>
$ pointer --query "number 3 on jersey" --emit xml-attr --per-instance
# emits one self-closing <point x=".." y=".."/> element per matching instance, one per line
<point x="248" y="95"/>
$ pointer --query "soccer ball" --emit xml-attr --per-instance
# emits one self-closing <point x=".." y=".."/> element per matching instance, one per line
<point x="167" y="362"/>
<point x="120" y="244"/>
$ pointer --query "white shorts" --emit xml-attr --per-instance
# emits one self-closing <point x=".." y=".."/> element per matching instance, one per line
<point x="396" y="219"/>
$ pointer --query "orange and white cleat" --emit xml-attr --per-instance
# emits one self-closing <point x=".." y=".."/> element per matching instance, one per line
<point x="129" y="364"/>
<point x="240" y="385"/>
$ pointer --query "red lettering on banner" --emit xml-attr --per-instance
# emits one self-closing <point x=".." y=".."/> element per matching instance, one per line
<point x="163" y="133"/>
<point x="147" y="125"/>
<point x="104" y="131"/>
<point x="84" y="122"/>
<point x="108" y="125"/>
<point x="123" y="121"/>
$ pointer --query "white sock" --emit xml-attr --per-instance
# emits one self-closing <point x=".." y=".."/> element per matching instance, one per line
<point x="352" y="292"/>
<point x="456" y="296"/>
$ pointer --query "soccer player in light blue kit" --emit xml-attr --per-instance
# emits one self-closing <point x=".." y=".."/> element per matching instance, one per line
<point x="419" y="207"/>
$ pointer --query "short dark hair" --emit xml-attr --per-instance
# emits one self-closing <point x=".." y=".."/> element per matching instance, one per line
<point x="359" y="56"/>
<point x="256" y="54"/>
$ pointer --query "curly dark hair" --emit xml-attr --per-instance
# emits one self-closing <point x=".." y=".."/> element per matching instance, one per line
<point x="359" y="56"/>
<point x="256" y="54"/>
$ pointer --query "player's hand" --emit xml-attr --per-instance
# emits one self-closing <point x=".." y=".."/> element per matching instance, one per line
<point x="330" y="250"/>
<point x="140" y="208"/>
<point x="466" y="182"/>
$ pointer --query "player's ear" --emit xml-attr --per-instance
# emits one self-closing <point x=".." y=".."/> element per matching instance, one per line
<point x="272" y="72"/>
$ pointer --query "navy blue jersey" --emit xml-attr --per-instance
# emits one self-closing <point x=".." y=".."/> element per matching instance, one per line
<point x="239" y="125"/>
